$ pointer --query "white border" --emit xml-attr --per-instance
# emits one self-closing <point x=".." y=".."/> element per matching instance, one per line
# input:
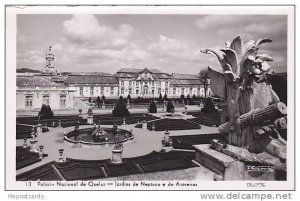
<point x="11" y="12"/>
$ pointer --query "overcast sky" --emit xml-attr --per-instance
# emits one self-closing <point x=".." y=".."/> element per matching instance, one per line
<point x="106" y="43"/>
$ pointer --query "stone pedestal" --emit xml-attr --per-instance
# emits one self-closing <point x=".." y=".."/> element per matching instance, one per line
<point x="166" y="137"/>
<point x="33" y="143"/>
<point x="25" y="143"/>
<point x="116" y="156"/>
<point x="103" y="105"/>
<point x="144" y="125"/>
<point x="39" y="129"/>
<point x="59" y="123"/>
<point x="90" y="120"/>
<point x="41" y="153"/>
<point x="61" y="159"/>
<point x="227" y="167"/>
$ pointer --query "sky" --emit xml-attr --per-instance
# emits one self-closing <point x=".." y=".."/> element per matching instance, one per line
<point x="171" y="43"/>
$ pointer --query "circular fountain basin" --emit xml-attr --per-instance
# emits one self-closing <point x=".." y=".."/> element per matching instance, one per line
<point x="108" y="136"/>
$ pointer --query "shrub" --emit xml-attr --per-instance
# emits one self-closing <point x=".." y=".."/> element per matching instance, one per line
<point x="90" y="112"/>
<point x="182" y="98"/>
<point x="165" y="97"/>
<point x="46" y="112"/>
<point x="120" y="110"/>
<point x="209" y="106"/>
<point x="103" y="98"/>
<point x="152" y="107"/>
<point x="98" y="101"/>
<point x="160" y="99"/>
<point x="128" y="97"/>
<point x="170" y="107"/>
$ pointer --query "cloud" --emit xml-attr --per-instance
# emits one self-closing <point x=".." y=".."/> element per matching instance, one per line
<point x="86" y="30"/>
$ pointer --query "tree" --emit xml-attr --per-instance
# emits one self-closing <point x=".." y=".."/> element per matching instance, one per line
<point x="165" y="97"/>
<point x="170" y="107"/>
<point x="204" y="78"/>
<point x="209" y="106"/>
<point x="98" y="101"/>
<point x="152" y="107"/>
<point x="128" y="97"/>
<point x="160" y="98"/>
<point x="90" y="99"/>
<point x="103" y="98"/>
<point x="182" y="98"/>
<point x="46" y="112"/>
<point x="90" y="112"/>
<point x="120" y="110"/>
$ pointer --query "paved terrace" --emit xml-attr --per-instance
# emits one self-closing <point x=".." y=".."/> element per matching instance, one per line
<point x="145" y="142"/>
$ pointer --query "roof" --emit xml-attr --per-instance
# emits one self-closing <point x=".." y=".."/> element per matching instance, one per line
<point x="138" y="70"/>
<point x="35" y="81"/>
<point x="185" y="82"/>
<point x="90" y="79"/>
<point x="133" y="72"/>
<point x="185" y="79"/>
<point x="185" y="76"/>
<point x="89" y="73"/>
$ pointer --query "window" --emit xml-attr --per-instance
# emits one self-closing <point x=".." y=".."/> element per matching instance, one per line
<point x="130" y="91"/>
<point x="137" y="91"/>
<point x="62" y="100"/>
<point x="92" y="91"/>
<point x="122" y="91"/>
<point x="159" y="91"/>
<point x="46" y="99"/>
<point x="174" y="91"/>
<point x="182" y="91"/>
<point x="130" y="83"/>
<point x="122" y="83"/>
<point x="28" y="101"/>
<point x="81" y="91"/>
<point x="102" y="90"/>
<point x="111" y="90"/>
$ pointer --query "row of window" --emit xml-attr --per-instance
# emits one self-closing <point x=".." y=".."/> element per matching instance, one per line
<point x="144" y="83"/>
<point x="45" y="100"/>
<point x="137" y="91"/>
<point x="96" y="90"/>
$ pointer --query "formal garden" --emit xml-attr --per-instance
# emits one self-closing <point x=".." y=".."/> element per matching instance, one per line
<point x="120" y="143"/>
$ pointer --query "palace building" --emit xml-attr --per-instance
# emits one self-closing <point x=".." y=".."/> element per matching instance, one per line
<point x="34" y="91"/>
<point x="50" y="87"/>
<point x="146" y="83"/>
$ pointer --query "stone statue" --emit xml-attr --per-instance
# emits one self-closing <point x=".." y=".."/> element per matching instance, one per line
<point x="252" y="105"/>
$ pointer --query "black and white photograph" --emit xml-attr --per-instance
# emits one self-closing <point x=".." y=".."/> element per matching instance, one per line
<point x="150" y="98"/>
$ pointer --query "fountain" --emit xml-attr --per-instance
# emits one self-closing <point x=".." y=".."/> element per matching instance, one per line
<point x="98" y="135"/>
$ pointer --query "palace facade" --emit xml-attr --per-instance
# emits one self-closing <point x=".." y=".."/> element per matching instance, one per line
<point x="146" y="83"/>
<point x="34" y="91"/>
<point x="59" y="91"/>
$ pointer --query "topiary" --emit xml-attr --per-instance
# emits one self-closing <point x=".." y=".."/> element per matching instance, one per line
<point x="98" y="101"/>
<point x="160" y="98"/>
<point x="152" y="107"/>
<point x="46" y="112"/>
<point x="209" y="106"/>
<point x="165" y="97"/>
<point x="170" y="107"/>
<point x="120" y="110"/>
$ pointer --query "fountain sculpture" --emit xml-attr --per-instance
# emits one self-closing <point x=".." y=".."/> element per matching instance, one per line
<point x="252" y="107"/>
